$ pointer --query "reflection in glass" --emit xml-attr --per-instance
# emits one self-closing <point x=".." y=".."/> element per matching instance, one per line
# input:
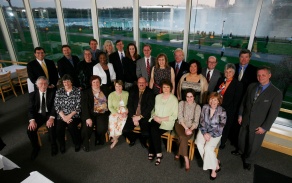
<point x="19" y="30"/>
<point x="4" y="55"/>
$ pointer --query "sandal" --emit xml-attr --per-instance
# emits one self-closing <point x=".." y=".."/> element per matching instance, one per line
<point x="158" y="160"/>
<point x="150" y="157"/>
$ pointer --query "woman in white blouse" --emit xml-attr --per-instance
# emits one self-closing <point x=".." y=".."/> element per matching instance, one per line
<point x="105" y="71"/>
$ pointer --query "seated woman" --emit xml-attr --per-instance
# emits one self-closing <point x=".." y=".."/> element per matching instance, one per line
<point x="94" y="112"/>
<point x="129" y="65"/>
<point x="230" y="90"/>
<point x="195" y="80"/>
<point x="68" y="107"/>
<point x="117" y="104"/>
<point x="105" y="71"/>
<point x="188" y="119"/>
<point x="162" y="119"/>
<point x="212" y="121"/>
<point x="159" y="72"/>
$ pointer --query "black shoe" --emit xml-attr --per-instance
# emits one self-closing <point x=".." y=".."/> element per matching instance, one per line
<point x="247" y="166"/>
<point x="96" y="142"/>
<point x="54" y="151"/>
<point x="222" y="146"/>
<point x="158" y="160"/>
<point x="77" y="148"/>
<point x="86" y="149"/>
<point x="236" y="153"/>
<point x="62" y="149"/>
<point x="132" y="143"/>
<point x="34" y="153"/>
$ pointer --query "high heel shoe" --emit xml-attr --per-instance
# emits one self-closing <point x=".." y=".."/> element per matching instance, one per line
<point x="213" y="178"/>
<point x="187" y="162"/>
<point x="158" y="160"/>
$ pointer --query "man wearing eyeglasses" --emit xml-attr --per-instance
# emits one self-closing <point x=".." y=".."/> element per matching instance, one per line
<point x="211" y="74"/>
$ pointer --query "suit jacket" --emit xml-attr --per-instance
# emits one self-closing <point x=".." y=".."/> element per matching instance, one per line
<point x="34" y="103"/>
<point x="65" y="67"/>
<point x="35" y="70"/>
<point x="184" y="68"/>
<point x="249" y="75"/>
<point x="97" y="52"/>
<point x="87" y="102"/>
<point x="141" y="69"/>
<point x="263" y="111"/>
<point x="213" y="80"/>
<point x="147" y="102"/>
<point x="231" y="98"/>
<point x="114" y="58"/>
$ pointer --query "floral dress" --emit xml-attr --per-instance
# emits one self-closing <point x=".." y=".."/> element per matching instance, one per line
<point x="159" y="75"/>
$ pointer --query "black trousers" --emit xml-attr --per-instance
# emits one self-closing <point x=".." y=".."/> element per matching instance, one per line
<point x="155" y="138"/>
<point x="129" y="127"/>
<point x="100" y="121"/>
<point x="32" y="135"/>
<point x="73" y="130"/>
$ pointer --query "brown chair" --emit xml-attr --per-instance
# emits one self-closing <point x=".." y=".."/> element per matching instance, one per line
<point x="6" y="85"/>
<point x="21" y="78"/>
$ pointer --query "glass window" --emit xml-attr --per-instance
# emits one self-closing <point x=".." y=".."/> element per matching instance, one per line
<point x="19" y="30"/>
<point x="115" y="21"/>
<point x="161" y="26"/>
<point x="45" y="17"/>
<point x="78" y="23"/>
<point x="4" y="55"/>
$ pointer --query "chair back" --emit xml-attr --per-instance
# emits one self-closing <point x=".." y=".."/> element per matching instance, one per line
<point x="21" y="73"/>
<point x="5" y="78"/>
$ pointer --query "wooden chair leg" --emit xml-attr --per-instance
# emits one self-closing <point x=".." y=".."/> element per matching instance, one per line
<point x="106" y="137"/>
<point x="21" y="89"/>
<point x="13" y="89"/>
<point x="3" y="98"/>
<point x="39" y="139"/>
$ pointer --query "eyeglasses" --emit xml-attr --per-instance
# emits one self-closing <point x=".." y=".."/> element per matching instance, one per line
<point x="190" y="96"/>
<point x="212" y="62"/>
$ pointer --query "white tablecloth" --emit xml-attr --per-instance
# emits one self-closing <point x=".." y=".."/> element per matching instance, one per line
<point x="12" y="70"/>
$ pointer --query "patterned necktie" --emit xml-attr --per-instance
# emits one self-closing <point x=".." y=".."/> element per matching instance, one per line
<point x="43" y="105"/>
<point x="122" y="56"/>
<point x="260" y="88"/>
<point x="208" y="76"/>
<point x="240" y="74"/>
<point x="148" y="68"/>
<point x="45" y="69"/>
<point x="176" y="69"/>
<point x="138" y="111"/>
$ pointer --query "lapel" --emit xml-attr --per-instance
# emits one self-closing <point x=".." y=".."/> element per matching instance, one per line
<point x="152" y="62"/>
<point x="253" y="92"/>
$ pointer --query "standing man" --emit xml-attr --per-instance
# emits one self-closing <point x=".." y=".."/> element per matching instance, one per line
<point x="42" y="67"/>
<point x="258" y="111"/>
<point x="41" y="110"/>
<point x="179" y="66"/>
<point x="144" y="65"/>
<point x="246" y="74"/>
<point x="68" y="65"/>
<point x="93" y="49"/>
<point x="140" y="104"/>
<point x="211" y="74"/>
<point x="116" y="59"/>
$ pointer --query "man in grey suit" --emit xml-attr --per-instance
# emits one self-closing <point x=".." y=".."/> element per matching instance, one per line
<point x="259" y="108"/>
<point x="211" y="74"/>
<point x="144" y="65"/>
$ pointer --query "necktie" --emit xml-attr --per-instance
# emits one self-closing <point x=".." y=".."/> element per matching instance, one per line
<point x="43" y="105"/>
<point x="148" y="68"/>
<point x="122" y="56"/>
<point x="240" y="74"/>
<point x="260" y="88"/>
<point x="71" y="61"/>
<point x="176" y="69"/>
<point x="138" y="111"/>
<point x="45" y="69"/>
<point x="208" y="76"/>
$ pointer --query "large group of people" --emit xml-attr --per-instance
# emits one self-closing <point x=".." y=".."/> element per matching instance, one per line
<point x="115" y="91"/>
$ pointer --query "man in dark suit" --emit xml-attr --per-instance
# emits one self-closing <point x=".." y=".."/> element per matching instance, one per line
<point x="179" y="66"/>
<point x="42" y="67"/>
<point x="116" y="59"/>
<point x="246" y="74"/>
<point x="93" y="49"/>
<point x="140" y="104"/>
<point x="144" y="65"/>
<point x="211" y="74"/>
<point x="68" y="65"/>
<point x="258" y="111"/>
<point x="41" y="110"/>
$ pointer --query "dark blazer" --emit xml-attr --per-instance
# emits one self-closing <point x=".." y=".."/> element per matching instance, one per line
<point x="249" y="75"/>
<point x="232" y="96"/>
<point x="65" y="67"/>
<point x="35" y="70"/>
<point x="34" y="103"/>
<point x="87" y="102"/>
<point x="213" y="80"/>
<point x="97" y="52"/>
<point x="147" y="102"/>
<point x="129" y="67"/>
<point x="141" y="69"/>
<point x="184" y="68"/>
<point x="114" y="58"/>
<point x="263" y="111"/>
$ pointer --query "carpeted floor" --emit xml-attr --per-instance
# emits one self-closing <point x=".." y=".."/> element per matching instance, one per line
<point x="121" y="164"/>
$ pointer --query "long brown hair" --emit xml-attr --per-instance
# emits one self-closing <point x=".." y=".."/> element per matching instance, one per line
<point x="166" y="60"/>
